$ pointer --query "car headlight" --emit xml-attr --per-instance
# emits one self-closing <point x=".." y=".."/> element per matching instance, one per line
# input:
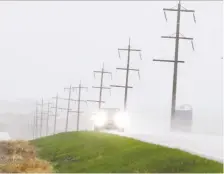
<point x="121" y="119"/>
<point x="100" y="118"/>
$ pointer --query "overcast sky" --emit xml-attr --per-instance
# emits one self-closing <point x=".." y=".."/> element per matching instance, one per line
<point x="46" y="46"/>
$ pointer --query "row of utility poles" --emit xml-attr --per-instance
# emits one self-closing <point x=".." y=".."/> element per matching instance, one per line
<point x="176" y="60"/>
<point x="39" y="116"/>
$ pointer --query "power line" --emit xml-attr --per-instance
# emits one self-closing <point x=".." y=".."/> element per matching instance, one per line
<point x="80" y="87"/>
<point x="34" y="126"/>
<point x="36" y="122"/>
<point x="42" y="115"/>
<point x="56" y="113"/>
<point x="69" y="97"/>
<point x="101" y="87"/>
<point x="127" y="69"/>
<point x="36" y="132"/>
<point x="176" y="61"/>
<point x="48" y="114"/>
<point x="67" y="109"/>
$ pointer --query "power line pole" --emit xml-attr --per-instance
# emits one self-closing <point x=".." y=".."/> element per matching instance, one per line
<point x="34" y="126"/>
<point x="42" y="115"/>
<point x="36" y="132"/>
<point x="67" y="109"/>
<point x="48" y="114"/>
<point x="101" y="87"/>
<point x="56" y="113"/>
<point x="80" y="87"/>
<point x="127" y="69"/>
<point x="69" y="96"/>
<point x="36" y="122"/>
<point x="176" y="61"/>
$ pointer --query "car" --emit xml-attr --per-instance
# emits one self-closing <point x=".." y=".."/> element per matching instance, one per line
<point x="110" y="119"/>
<point x="182" y="119"/>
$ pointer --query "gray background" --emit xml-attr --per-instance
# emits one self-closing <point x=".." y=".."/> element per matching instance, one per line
<point x="46" y="46"/>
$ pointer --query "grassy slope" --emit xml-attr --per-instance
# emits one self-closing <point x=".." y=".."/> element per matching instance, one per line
<point x="101" y="152"/>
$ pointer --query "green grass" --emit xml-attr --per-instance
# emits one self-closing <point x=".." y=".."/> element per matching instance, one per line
<point x="85" y="152"/>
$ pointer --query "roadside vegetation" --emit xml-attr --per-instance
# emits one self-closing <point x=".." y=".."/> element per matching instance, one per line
<point x="20" y="157"/>
<point x="97" y="152"/>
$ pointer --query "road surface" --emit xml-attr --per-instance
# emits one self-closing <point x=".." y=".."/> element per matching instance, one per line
<point x="208" y="146"/>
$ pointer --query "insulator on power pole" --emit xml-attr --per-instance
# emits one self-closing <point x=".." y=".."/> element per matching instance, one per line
<point x="176" y="61"/>
<point x="127" y="69"/>
<point x="101" y="87"/>
<point x="80" y="87"/>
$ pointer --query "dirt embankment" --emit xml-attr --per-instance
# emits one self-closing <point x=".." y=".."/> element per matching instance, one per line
<point x="20" y="156"/>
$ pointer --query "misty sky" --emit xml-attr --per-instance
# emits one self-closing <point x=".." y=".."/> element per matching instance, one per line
<point x="46" y="46"/>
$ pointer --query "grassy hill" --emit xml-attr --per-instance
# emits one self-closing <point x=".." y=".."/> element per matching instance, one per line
<point x="101" y="152"/>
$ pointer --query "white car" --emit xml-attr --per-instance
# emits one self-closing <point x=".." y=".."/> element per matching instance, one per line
<point x="110" y="119"/>
<point x="183" y="118"/>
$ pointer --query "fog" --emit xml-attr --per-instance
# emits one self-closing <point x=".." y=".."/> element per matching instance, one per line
<point x="46" y="46"/>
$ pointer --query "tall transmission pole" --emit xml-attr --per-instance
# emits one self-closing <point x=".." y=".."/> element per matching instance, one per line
<point x="101" y="87"/>
<point x="56" y="110"/>
<point x="42" y="115"/>
<point x="176" y="61"/>
<point x="56" y="113"/>
<point x="34" y="126"/>
<point x="36" y="122"/>
<point x="48" y="115"/>
<point x="127" y="69"/>
<point x="80" y="87"/>
<point x="70" y="89"/>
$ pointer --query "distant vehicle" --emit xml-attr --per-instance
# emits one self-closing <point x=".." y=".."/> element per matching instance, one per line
<point x="182" y="119"/>
<point x="110" y="119"/>
<point x="184" y="112"/>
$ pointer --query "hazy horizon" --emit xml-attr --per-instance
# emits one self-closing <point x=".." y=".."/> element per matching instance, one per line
<point x="46" y="46"/>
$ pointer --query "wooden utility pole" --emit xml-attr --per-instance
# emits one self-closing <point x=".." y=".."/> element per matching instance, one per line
<point x="48" y="115"/>
<point x="56" y="113"/>
<point x="34" y="126"/>
<point x="101" y="87"/>
<point x="80" y="87"/>
<point x="36" y="122"/>
<point x="176" y="61"/>
<point x="70" y="89"/>
<point x="127" y="69"/>
<point x="42" y="115"/>
<point x="67" y="109"/>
